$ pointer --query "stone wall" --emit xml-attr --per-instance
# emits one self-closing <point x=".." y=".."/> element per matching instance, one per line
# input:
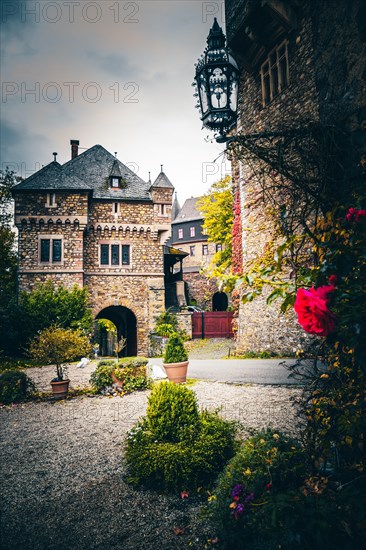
<point x="185" y="322"/>
<point x="327" y="72"/>
<point x="66" y="204"/>
<point x="142" y="295"/>
<point x="201" y="289"/>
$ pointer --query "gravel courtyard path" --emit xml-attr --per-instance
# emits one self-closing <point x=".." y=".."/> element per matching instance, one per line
<point x="62" y="468"/>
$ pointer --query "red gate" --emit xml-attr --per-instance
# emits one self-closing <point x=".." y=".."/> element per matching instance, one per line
<point x="212" y="324"/>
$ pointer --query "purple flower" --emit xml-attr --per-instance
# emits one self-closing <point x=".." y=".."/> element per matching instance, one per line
<point x="249" y="498"/>
<point x="239" y="510"/>
<point x="237" y="490"/>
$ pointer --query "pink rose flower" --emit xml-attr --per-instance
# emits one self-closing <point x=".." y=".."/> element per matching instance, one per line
<point x="312" y="310"/>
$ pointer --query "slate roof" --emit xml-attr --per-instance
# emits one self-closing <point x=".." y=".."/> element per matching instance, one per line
<point x="175" y="207"/>
<point x="89" y="171"/>
<point x="115" y="172"/>
<point x="51" y="177"/>
<point x="163" y="181"/>
<point x="189" y="211"/>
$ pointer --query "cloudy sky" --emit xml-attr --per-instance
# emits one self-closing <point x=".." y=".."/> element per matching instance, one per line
<point x="117" y="73"/>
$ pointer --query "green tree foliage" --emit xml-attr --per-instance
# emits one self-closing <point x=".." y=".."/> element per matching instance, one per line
<point x="36" y="310"/>
<point x="217" y="209"/>
<point x="7" y="180"/>
<point x="48" y="304"/>
<point x="56" y="345"/>
<point x="8" y="265"/>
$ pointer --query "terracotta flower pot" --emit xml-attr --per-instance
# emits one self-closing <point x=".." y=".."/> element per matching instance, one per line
<point x="60" y="388"/>
<point x="176" y="372"/>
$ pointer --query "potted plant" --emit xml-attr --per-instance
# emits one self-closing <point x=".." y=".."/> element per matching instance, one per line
<point x="58" y="346"/>
<point x="175" y="360"/>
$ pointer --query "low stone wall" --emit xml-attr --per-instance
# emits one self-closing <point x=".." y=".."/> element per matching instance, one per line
<point x="185" y="322"/>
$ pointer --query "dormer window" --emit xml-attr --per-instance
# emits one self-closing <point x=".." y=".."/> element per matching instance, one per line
<point x="115" y="182"/>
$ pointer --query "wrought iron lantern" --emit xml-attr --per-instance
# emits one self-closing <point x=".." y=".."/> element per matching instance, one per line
<point x="216" y="81"/>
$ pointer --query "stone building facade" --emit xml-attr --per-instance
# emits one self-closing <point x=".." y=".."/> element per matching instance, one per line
<point x="93" y="222"/>
<point x="188" y="236"/>
<point x="301" y="62"/>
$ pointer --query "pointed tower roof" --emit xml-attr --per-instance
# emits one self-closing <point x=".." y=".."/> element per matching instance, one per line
<point x="175" y="207"/>
<point x="115" y="171"/>
<point x="163" y="181"/>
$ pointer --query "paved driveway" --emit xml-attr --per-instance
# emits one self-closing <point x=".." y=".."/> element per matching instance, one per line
<point x="241" y="371"/>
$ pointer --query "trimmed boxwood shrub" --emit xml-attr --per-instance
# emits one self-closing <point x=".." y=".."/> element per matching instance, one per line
<point x="101" y="378"/>
<point x="175" y="351"/>
<point x="185" y="457"/>
<point x="172" y="413"/>
<point x="15" y="386"/>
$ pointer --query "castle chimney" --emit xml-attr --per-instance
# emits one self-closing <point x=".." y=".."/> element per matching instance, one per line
<point x="74" y="148"/>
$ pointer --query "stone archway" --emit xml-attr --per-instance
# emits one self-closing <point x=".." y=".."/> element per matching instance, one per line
<point x="125" y="321"/>
<point x="220" y="301"/>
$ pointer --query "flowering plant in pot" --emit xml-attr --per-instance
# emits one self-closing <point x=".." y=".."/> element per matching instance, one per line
<point x="175" y="360"/>
<point x="58" y="346"/>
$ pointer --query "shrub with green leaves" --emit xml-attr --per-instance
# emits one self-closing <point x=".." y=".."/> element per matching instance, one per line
<point x="15" y="386"/>
<point x="104" y="362"/>
<point x="256" y="490"/>
<point x="57" y="346"/>
<point x="133" y="362"/>
<point x="164" y="330"/>
<point x="188" y="452"/>
<point x="101" y="378"/>
<point x="172" y="413"/>
<point x="167" y="318"/>
<point x="130" y="371"/>
<point x="175" y="351"/>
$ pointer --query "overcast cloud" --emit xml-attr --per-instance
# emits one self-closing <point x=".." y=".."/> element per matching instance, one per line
<point x="117" y="73"/>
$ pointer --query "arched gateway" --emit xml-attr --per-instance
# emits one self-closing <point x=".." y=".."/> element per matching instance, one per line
<point x="125" y="321"/>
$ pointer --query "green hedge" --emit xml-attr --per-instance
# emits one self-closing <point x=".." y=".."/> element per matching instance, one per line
<point x="188" y="452"/>
<point x="15" y="386"/>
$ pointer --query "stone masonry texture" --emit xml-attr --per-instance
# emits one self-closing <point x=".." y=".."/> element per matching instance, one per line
<point x="327" y="74"/>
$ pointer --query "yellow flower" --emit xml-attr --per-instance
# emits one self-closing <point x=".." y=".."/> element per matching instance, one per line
<point x="324" y="376"/>
<point x="276" y="436"/>
<point x="247" y="472"/>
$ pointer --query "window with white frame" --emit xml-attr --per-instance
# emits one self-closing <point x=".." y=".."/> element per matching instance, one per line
<point x="51" y="200"/>
<point x="50" y="250"/>
<point x="192" y="250"/>
<point x="115" y="254"/>
<point x="205" y="249"/>
<point x="163" y="210"/>
<point x="192" y="231"/>
<point x="218" y="247"/>
<point x="180" y="233"/>
<point x="275" y="73"/>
